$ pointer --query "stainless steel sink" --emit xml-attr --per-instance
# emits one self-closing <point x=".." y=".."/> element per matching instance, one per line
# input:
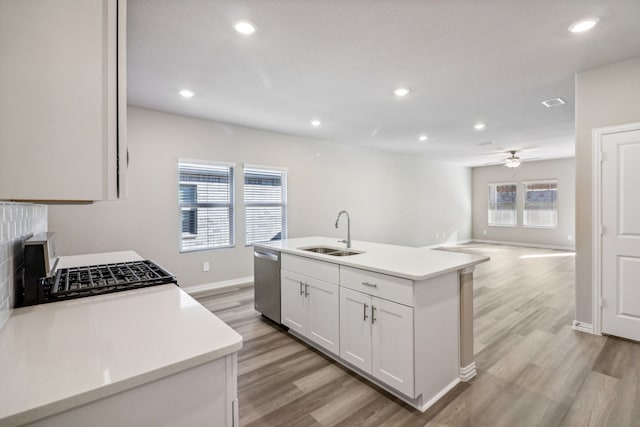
<point x="345" y="253"/>
<point x="320" y="249"/>
<point x="331" y="251"/>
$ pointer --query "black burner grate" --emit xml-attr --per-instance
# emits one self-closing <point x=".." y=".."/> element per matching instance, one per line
<point x="99" y="279"/>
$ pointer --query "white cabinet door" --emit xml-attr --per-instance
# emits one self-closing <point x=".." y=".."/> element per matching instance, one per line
<point x="323" y="314"/>
<point x="392" y="345"/>
<point x="355" y="328"/>
<point x="63" y="101"/>
<point x="292" y="291"/>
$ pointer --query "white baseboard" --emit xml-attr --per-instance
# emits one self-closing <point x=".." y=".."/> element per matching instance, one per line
<point x="217" y="287"/>
<point x="438" y="396"/>
<point x="468" y="372"/>
<point x="582" y="327"/>
<point x="528" y="245"/>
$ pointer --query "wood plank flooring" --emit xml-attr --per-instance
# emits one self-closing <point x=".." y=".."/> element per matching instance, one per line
<point x="533" y="369"/>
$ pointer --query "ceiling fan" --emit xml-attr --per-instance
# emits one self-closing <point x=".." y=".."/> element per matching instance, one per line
<point x="513" y="161"/>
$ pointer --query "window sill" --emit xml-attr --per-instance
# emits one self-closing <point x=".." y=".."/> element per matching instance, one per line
<point x="186" y="251"/>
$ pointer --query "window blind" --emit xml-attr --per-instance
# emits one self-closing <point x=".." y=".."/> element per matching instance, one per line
<point x="265" y="198"/>
<point x="206" y="206"/>
<point x="503" y="204"/>
<point x="541" y="204"/>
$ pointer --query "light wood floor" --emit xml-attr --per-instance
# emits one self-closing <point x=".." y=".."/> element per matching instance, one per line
<point x="533" y="369"/>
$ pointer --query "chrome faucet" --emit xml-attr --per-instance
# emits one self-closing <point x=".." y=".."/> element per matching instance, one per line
<point x="348" y="241"/>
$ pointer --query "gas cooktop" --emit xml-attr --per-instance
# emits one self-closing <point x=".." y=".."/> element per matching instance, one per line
<point x="78" y="282"/>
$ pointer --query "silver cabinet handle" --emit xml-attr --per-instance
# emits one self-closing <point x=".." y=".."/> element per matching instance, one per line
<point x="373" y="314"/>
<point x="371" y="285"/>
<point x="306" y="289"/>
<point x="364" y="312"/>
<point x="301" y="290"/>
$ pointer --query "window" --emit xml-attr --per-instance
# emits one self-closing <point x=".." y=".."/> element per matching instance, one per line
<point x="189" y="194"/>
<point x="206" y="205"/>
<point x="265" y="198"/>
<point x="502" y="204"/>
<point x="541" y="204"/>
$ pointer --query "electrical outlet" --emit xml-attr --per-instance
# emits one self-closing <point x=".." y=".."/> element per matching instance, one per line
<point x="569" y="237"/>
<point x="484" y="232"/>
<point x="437" y="236"/>
<point x="205" y="266"/>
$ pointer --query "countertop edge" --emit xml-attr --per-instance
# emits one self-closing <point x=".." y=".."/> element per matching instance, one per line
<point x="89" y="396"/>
<point x="341" y="261"/>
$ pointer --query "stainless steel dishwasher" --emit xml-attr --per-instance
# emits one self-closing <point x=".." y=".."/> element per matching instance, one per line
<point x="266" y="282"/>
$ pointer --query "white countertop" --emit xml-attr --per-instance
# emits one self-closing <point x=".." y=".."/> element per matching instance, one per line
<point x="401" y="261"/>
<point x="57" y="356"/>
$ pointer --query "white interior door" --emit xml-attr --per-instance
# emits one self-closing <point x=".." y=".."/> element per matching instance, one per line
<point x="621" y="234"/>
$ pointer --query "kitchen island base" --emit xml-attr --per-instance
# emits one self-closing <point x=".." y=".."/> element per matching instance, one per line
<point x="401" y="317"/>
<point x="411" y="350"/>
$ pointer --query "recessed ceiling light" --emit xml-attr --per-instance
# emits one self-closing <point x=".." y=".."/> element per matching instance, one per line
<point x="186" y="93"/>
<point x="584" y="25"/>
<point x="315" y="123"/>
<point x="423" y="138"/>
<point x="479" y="126"/>
<point x="401" y="91"/>
<point x="244" y="27"/>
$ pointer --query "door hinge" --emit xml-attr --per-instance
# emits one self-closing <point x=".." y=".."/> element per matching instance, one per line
<point x="601" y="302"/>
<point x="602" y="230"/>
<point x="601" y="157"/>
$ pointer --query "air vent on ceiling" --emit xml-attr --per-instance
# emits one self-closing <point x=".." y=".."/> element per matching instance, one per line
<point x="486" y="143"/>
<point x="549" y="103"/>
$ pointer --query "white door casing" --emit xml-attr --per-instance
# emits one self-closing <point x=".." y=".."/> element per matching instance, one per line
<point x="617" y="242"/>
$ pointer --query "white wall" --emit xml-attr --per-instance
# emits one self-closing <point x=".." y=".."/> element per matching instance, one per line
<point x="392" y="198"/>
<point x="562" y="169"/>
<point x="18" y="221"/>
<point x="605" y="96"/>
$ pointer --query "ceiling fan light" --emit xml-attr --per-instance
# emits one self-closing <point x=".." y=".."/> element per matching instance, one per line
<point x="512" y="162"/>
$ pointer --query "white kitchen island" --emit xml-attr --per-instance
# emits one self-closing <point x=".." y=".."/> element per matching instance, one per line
<point x="401" y="317"/>
<point x="149" y="356"/>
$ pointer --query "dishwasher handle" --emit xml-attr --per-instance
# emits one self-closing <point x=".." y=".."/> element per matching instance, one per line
<point x="269" y="257"/>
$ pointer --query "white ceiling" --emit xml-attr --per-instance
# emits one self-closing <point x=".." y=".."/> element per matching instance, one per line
<point x="466" y="61"/>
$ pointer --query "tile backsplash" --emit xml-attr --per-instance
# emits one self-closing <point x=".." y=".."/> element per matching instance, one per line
<point x="18" y="221"/>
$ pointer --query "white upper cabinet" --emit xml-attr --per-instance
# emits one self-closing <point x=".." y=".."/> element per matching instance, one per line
<point x="63" y="100"/>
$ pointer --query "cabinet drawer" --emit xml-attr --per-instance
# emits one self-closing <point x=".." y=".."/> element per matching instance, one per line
<point x="380" y="285"/>
<point x="321" y="270"/>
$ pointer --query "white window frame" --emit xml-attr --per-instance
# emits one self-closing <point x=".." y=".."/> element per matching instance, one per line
<point x="524" y="203"/>
<point x="490" y="224"/>
<point x="231" y="205"/>
<point x="283" y="204"/>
